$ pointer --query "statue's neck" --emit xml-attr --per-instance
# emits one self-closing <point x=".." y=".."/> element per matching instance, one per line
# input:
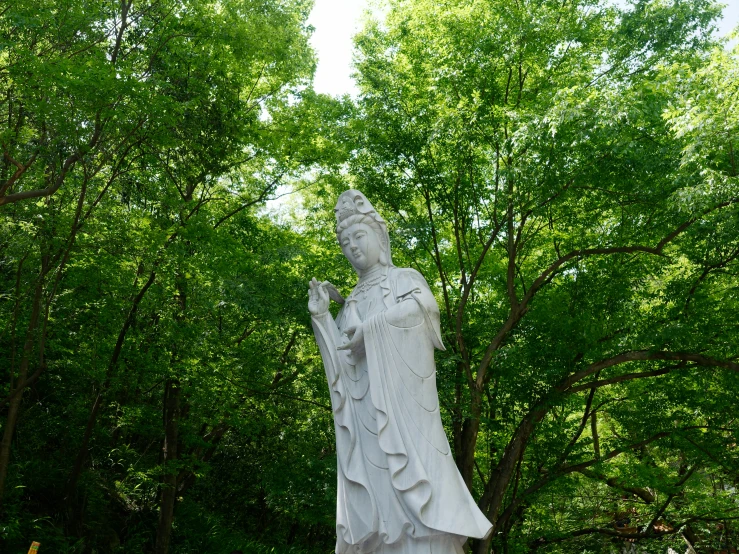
<point x="369" y="273"/>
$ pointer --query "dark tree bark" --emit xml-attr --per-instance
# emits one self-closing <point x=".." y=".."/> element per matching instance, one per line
<point x="15" y="399"/>
<point x="168" y="496"/>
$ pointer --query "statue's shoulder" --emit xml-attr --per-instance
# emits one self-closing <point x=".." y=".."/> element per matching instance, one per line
<point x="405" y="271"/>
<point x="406" y="278"/>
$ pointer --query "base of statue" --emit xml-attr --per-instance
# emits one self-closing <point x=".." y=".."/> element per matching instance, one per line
<point x="439" y="544"/>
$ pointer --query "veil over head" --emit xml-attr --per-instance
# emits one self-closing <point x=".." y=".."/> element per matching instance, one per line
<point x="353" y="203"/>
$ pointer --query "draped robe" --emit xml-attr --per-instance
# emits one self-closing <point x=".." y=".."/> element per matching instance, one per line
<point x="399" y="490"/>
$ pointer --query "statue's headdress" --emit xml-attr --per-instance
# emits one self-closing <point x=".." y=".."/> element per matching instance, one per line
<point x="353" y="207"/>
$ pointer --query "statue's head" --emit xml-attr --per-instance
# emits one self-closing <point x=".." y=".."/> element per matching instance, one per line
<point x="361" y="232"/>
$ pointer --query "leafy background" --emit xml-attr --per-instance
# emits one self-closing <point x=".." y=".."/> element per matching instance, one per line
<point x="564" y="174"/>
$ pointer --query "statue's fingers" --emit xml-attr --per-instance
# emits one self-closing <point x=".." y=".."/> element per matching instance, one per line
<point x="351" y="345"/>
<point x="323" y="287"/>
<point x="323" y="293"/>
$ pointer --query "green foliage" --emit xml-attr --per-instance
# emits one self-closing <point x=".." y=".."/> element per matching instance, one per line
<point x="563" y="174"/>
<point x="150" y="135"/>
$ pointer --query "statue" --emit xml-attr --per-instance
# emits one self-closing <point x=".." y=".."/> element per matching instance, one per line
<point x="399" y="490"/>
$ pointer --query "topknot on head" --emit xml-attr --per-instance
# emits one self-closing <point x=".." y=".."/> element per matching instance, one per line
<point x="352" y="202"/>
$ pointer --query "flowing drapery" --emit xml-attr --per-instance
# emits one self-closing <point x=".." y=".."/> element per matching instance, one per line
<point x="397" y="479"/>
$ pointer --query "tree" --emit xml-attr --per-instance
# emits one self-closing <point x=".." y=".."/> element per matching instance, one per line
<point x="544" y="166"/>
<point x="140" y="139"/>
<point x="563" y="174"/>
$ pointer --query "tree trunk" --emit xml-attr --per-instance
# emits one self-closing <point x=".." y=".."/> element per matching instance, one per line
<point x="494" y="494"/>
<point x="594" y="431"/>
<point x="15" y="400"/>
<point x="470" y="431"/>
<point x="169" y="480"/>
<point x="470" y="428"/>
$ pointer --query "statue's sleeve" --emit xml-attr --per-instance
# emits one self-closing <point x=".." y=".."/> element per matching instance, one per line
<point x="356" y="509"/>
<point x="411" y="286"/>
<point x="328" y="338"/>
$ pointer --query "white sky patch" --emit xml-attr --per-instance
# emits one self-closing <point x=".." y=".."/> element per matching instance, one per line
<point x="336" y="22"/>
<point x="731" y="18"/>
<point x="282" y="206"/>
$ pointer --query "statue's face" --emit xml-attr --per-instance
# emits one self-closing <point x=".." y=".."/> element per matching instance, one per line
<point x="361" y="246"/>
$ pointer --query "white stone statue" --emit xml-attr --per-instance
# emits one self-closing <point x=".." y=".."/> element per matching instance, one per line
<point x="399" y="490"/>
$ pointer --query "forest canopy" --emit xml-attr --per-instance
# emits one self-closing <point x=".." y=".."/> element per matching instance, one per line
<point x="564" y="174"/>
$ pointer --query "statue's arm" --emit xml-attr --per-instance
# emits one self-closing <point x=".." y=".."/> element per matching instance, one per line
<point x="324" y="327"/>
<point x="319" y="297"/>
<point x="327" y="338"/>
<point x="327" y="327"/>
<point x="415" y="304"/>
<point x="407" y="313"/>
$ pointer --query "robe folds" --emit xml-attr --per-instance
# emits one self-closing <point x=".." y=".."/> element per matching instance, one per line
<point x="399" y="489"/>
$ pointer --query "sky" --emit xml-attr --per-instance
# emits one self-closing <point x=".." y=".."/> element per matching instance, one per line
<point x="336" y="21"/>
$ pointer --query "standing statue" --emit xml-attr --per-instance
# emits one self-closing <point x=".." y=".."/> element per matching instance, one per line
<point x="399" y="490"/>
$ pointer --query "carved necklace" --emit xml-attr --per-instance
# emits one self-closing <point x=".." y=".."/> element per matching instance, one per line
<point x="365" y="285"/>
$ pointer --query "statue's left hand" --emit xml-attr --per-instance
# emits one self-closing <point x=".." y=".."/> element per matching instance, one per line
<point x="356" y="342"/>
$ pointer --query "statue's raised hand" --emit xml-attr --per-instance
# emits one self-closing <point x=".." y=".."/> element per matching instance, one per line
<point x="318" y="298"/>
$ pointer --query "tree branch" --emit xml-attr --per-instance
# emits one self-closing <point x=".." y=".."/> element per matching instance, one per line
<point x="628" y="377"/>
<point x="613" y="482"/>
<point x="641" y="355"/>
<point x="18" y="173"/>
<point x="579" y="467"/>
<point x="69" y="163"/>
